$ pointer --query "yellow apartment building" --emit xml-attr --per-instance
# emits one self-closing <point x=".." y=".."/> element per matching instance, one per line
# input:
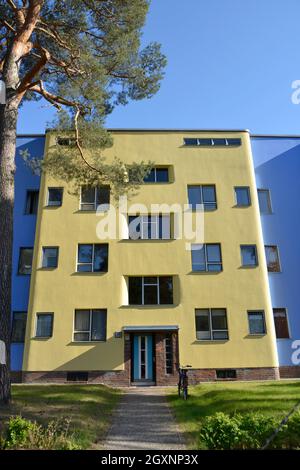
<point x="130" y="309"/>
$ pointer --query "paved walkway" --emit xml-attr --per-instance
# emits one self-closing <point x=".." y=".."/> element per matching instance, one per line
<point x="143" y="420"/>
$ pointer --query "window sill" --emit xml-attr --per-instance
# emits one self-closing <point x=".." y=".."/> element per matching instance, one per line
<point x="52" y="206"/>
<point x="88" y="342"/>
<point x="241" y="207"/>
<point x="141" y="306"/>
<point x="210" y="341"/>
<point x="45" y="268"/>
<point x="43" y="338"/>
<point x="143" y="240"/>
<point x="91" y="211"/>
<point x="256" y="335"/>
<point x="88" y="273"/>
<point x="204" y="272"/>
<point x="248" y="267"/>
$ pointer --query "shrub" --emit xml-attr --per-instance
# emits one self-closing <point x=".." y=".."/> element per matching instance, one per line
<point x="290" y="438"/>
<point x="249" y="431"/>
<point x="25" y="434"/>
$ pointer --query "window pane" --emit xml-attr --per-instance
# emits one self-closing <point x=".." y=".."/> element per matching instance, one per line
<point x="32" y="200"/>
<point x="213" y="253"/>
<point x="18" y="327"/>
<point x="135" y="290"/>
<point x="221" y="142"/>
<point x="44" y="325"/>
<point x="220" y="335"/>
<point x="150" y="178"/>
<point x="82" y="320"/>
<point x="103" y="195"/>
<point x="55" y="196"/>
<point x="249" y="256"/>
<point x="234" y="142"/>
<point x="209" y="194"/>
<point x="189" y="141"/>
<point x="25" y="260"/>
<point x="272" y="258"/>
<point x="166" y="290"/>
<point x="256" y="323"/>
<point x="281" y="323"/>
<point x="85" y="253"/>
<point x="81" y="336"/>
<point x="242" y="196"/>
<point x="194" y="195"/>
<point x="198" y="257"/>
<point x="150" y="280"/>
<point x="162" y="175"/>
<point x="150" y="295"/>
<point x="50" y="257"/>
<point x="207" y="142"/>
<point x="218" y="318"/>
<point x="101" y="257"/>
<point x="98" y="325"/>
<point x="87" y="198"/>
<point x="202" y="324"/>
<point x="264" y="201"/>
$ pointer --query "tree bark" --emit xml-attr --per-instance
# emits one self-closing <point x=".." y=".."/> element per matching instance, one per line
<point x="8" y="122"/>
<point x="8" y="126"/>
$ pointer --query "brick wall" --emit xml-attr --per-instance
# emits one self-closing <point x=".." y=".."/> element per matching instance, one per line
<point x="162" y="378"/>
<point x="255" y="373"/>
<point x="289" y="372"/>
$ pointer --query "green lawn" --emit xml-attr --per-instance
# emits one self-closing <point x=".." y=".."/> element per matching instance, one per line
<point x="88" y="406"/>
<point x="270" y="398"/>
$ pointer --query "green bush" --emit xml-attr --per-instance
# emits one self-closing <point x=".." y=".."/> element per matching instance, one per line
<point x="248" y="431"/>
<point x="290" y="438"/>
<point x="25" y="434"/>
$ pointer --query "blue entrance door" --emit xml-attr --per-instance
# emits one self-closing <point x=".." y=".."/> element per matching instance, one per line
<point x="143" y="357"/>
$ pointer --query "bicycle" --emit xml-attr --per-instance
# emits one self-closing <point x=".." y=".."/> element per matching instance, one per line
<point x="183" y="381"/>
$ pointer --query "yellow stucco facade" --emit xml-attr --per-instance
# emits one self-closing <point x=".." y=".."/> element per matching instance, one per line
<point x="238" y="289"/>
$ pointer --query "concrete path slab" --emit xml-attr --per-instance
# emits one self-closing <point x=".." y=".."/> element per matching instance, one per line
<point x="143" y="420"/>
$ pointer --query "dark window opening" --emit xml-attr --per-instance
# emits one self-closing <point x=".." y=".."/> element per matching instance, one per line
<point x="77" y="376"/>
<point x="226" y="374"/>
<point x="169" y="354"/>
<point x="32" y="201"/>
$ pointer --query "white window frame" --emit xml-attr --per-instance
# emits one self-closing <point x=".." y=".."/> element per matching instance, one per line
<point x="211" y="330"/>
<point x="87" y="264"/>
<point x="249" y="196"/>
<point x="92" y="204"/>
<point x="90" y="340"/>
<point x="36" y="324"/>
<point x="42" y="257"/>
<point x="150" y="284"/>
<point x="155" y="175"/>
<point x="146" y="357"/>
<point x="202" y="203"/>
<point x="154" y="221"/>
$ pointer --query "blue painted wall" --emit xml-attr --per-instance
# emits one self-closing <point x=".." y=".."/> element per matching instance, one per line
<point x="277" y="168"/>
<point x="24" y="231"/>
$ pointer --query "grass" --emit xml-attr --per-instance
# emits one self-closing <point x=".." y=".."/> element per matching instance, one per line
<point x="88" y="406"/>
<point x="269" y="398"/>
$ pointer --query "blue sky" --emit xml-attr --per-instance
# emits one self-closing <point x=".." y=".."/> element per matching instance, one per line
<point x="231" y="64"/>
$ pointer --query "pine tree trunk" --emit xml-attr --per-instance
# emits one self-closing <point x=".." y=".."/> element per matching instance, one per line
<point x="8" y="122"/>
<point x="8" y="126"/>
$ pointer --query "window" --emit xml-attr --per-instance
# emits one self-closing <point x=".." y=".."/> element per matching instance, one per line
<point x="206" y="257"/>
<point x="272" y="258"/>
<point x="91" y="198"/>
<point x="149" y="227"/>
<point x="18" y="327"/>
<point x="50" y="257"/>
<point x="211" y="324"/>
<point x="281" y="323"/>
<point x="222" y="142"/>
<point x="226" y="374"/>
<point x="169" y="354"/>
<point x="90" y="325"/>
<point x="151" y="290"/>
<point x="32" y="201"/>
<point x="44" y="325"/>
<point x="204" y="194"/>
<point x="157" y="175"/>
<point x="55" y="196"/>
<point x="249" y="255"/>
<point x="242" y="196"/>
<point x="77" y="376"/>
<point x="264" y="201"/>
<point x="92" y="257"/>
<point x="25" y="261"/>
<point x="257" y="323"/>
